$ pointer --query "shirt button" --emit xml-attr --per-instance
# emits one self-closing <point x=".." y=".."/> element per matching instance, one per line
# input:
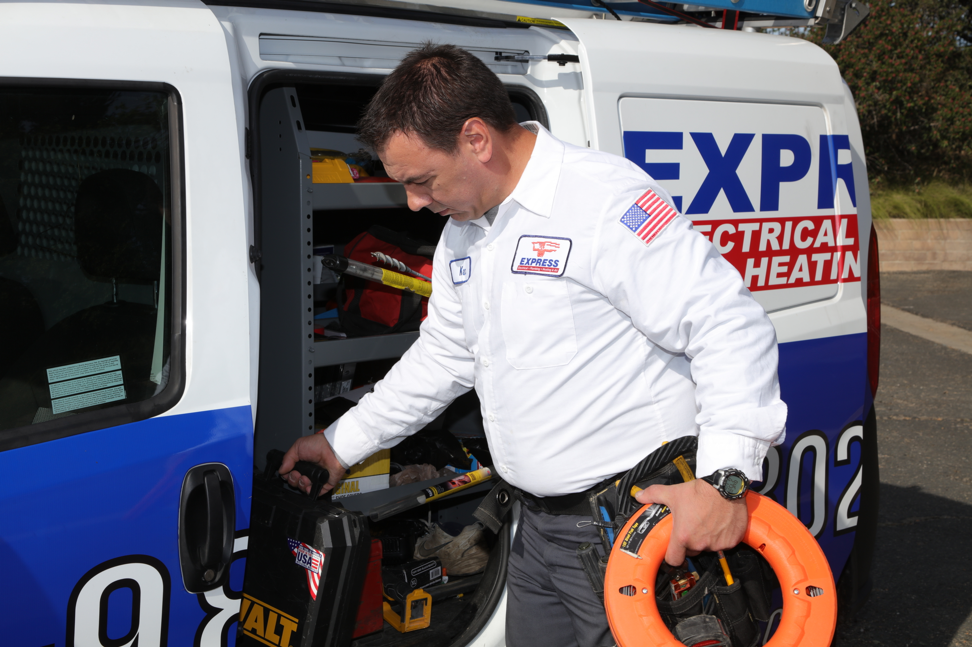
<point x="490" y="247"/>
<point x="486" y="305"/>
<point x="529" y="289"/>
<point x="486" y="362"/>
<point x="492" y="418"/>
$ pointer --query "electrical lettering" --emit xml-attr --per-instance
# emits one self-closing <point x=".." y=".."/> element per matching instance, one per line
<point x="774" y="253"/>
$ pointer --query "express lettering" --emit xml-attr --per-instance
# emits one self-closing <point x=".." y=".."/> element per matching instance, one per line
<point x="788" y="252"/>
<point x="723" y="167"/>
<point x="270" y="625"/>
<point x="540" y="262"/>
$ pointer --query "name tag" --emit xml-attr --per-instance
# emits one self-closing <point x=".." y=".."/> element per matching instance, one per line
<point x="545" y="255"/>
<point x="461" y="267"/>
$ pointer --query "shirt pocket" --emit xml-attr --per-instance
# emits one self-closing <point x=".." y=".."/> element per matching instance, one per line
<point x="538" y="324"/>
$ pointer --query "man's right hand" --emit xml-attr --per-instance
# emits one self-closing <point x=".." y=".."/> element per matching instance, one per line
<point x="314" y="449"/>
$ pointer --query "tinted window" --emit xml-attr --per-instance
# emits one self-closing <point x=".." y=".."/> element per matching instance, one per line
<point x="85" y="240"/>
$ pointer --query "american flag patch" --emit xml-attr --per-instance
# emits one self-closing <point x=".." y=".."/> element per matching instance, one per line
<point x="648" y="216"/>
<point x="312" y="560"/>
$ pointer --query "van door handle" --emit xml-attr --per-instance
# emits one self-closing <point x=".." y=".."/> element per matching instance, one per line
<point x="214" y="527"/>
<point x="207" y="519"/>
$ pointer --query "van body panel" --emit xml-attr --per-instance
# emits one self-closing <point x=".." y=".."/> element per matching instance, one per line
<point x="701" y="119"/>
<point x="182" y="45"/>
<point x="290" y="40"/>
<point x="91" y="520"/>
<point x="95" y="517"/>
<point x="678" y="101"/>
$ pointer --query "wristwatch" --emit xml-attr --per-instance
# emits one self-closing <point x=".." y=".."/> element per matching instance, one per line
<point x="731" y="483"/>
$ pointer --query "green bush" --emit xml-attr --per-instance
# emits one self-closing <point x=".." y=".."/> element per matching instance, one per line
<point x="909" y="66"/>
<point x="935" y="200"/>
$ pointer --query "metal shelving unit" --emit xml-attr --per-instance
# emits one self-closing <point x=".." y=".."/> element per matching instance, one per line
<point x="289" y="352"/>
<point x="362" y="349"/>
<point x="357" y="196"/>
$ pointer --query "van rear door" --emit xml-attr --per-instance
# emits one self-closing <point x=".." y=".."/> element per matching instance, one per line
<point x="756" y="138"/>
<point x="745" y="131"/>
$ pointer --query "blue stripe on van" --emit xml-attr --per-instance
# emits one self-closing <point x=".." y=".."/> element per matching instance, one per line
<point x="69" y="507"/>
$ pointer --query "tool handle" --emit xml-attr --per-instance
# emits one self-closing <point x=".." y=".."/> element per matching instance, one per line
<point x="403" y="282"/>
<point x="318" y="475"/>
<point x="377" y="274"/>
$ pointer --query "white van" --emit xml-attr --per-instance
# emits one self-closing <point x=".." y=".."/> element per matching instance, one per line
<point x="158" y="221"/>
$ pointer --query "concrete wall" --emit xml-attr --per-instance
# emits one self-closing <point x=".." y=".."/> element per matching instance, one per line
<point x="922" y="245"/>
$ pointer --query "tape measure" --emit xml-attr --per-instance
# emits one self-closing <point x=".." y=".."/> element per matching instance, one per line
<point x="809" y="595"/>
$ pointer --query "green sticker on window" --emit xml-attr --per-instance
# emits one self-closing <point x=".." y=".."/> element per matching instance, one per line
<point x="81" y="385"/>
<point x="86" y="384"/>
<point x="83" y="369"/>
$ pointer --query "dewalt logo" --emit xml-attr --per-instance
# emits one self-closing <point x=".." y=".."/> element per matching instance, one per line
<point x="264" y="623"/>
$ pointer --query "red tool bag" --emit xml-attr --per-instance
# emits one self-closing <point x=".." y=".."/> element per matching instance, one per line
<point x="369" y="308"/>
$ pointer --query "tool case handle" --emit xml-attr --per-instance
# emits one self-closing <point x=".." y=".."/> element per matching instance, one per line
<point x="318" y="475"/>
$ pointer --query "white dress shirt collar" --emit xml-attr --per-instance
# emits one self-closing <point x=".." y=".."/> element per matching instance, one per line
<point x="537" y="186"/>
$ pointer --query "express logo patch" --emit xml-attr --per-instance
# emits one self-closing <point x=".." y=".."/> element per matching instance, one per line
<point x="545" y="255"/>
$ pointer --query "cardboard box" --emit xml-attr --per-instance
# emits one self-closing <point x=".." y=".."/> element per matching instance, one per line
<point x="330" y="170"/>
<point x="369" y="475"/>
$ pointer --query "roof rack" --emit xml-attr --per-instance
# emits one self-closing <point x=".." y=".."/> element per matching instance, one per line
<point x="839" y="17"/>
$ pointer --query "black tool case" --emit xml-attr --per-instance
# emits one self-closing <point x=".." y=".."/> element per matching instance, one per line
<point x="298" y="542"/>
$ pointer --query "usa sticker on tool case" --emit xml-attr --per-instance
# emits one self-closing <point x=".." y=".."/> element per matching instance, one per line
<point x="310" y="559"/>
<point x="546" y="255"/>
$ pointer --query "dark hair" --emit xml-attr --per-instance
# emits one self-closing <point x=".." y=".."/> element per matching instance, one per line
<point x="432" y="93"/>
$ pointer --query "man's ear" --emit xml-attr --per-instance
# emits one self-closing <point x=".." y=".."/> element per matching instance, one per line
<point x="477" y="139"/>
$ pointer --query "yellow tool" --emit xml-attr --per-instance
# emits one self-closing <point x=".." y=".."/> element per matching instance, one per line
<point x="377" y="274"/>
<point x="416" y="612"/>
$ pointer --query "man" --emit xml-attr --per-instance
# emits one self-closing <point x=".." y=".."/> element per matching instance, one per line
<point x="592" y="321"/>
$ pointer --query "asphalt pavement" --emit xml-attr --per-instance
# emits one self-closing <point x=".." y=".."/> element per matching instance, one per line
<point x="922" y="593"/>
<point x="942" y="296"/>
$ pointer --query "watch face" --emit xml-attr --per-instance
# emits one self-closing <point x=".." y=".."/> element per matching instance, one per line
<point x="733" y="484"/>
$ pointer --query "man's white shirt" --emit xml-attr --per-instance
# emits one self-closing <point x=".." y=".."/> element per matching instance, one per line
<point x="590" y="334"/>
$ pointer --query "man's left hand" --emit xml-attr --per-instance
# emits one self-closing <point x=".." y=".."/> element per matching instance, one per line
<point x="703" y="520"/>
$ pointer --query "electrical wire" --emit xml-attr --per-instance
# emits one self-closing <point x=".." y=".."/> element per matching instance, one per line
<point x="603" y="5"/>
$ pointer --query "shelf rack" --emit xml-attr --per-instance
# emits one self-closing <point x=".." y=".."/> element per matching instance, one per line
<point x="289" y="352"/>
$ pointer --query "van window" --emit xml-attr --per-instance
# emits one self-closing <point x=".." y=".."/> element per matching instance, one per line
<point x="85" y="240"/>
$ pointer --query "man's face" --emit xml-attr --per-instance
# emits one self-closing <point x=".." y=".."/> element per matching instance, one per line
<point x="443" y="183"/>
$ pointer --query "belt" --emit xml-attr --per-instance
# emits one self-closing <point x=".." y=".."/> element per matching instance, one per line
<point x="577" y="503"/>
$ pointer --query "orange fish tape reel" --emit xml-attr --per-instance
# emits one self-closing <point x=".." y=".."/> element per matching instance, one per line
<point x="809" y="595"/>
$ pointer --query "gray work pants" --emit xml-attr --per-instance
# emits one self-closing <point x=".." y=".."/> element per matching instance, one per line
<point x="549" y="599"/>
